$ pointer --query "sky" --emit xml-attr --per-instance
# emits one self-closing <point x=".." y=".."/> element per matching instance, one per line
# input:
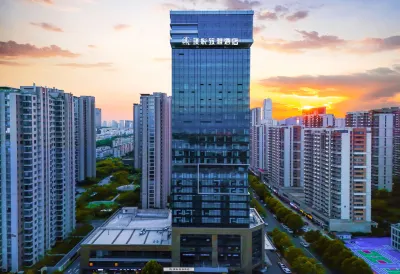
<point x="343" y="54"/>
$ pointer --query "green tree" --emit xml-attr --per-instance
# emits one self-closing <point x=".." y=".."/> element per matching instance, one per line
<point x="294" y="222"/>
<point x="321" y="245"/>
<point x="152" y="267"/>
<point x="129" y="198"/>
<point x="304" y="265"/>
<point x="355" y="265"/>
<point x="292" y="253"/>
<point x="312" y="236"/>
<point x="282" y="212"/>
<point x="331" y="253"/>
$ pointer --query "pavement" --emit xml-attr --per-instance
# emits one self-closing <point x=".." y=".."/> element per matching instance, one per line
<point x="274" y="256"/>
<point x="105" y="181"/>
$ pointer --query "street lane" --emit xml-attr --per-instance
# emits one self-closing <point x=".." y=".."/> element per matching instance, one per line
<point x="274" y="223"/>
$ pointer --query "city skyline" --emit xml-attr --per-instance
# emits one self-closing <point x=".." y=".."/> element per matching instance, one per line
<point x="303" y="55"/>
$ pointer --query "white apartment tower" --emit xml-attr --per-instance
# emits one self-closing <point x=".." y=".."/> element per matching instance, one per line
<point x="85" y="140"/>
<point x="385" y="128"/>
<point x="98" y="117"/>
<point x="37" y="169"/>
<point x="137" y="148"/>
<point x="153" y="143"/>
<point x="285" y="156"/>
<point x="255" y="137"/>
<point x="337" y="176"/>
<point x="267" y="110"/>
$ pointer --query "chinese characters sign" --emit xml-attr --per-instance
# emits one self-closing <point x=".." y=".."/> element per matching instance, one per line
<point x="210" y="41"/>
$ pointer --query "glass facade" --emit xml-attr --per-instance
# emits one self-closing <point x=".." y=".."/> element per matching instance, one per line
<point x="210" y="117"/>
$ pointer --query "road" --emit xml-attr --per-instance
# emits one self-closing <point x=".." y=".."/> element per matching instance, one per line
<point x="272" y="224"/>
<point x="105" y="181"/>
<point x="74" y="267"/>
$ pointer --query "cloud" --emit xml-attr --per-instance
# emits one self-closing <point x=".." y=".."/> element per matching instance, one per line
<point x="50" y="2"/>
<point x="267" y="15"/>
<point x="241" y="4"/>
<point x="13" y="49"/>
<point x="311" y="40"/>
<point x="92" y="46"/>
<point x="10" y="63"/>
<point x="378" y="83"/>
<point x="370" y="45"/>
<point x="162" y="59"/>
<point x="298" y="15"/>
<point x="258" y="29"/>
<point x="280" y="8"/>
<point x="47" y="26"/>
<point x="121" y="27"/>
<point x="80" y="65"/>
<point x="171" y="6"/>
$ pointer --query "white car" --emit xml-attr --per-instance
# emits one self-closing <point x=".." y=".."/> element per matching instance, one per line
<point x="290" y="231"/>
<point x="284" y="268"/>
<point x="305" y="244"/>
<point x="306" y="229"/>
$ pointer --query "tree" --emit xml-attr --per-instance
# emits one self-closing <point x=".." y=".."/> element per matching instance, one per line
<point x="321" y="245"/>
<point x="304" y="265"/>
<point x="355" y="265"/>
<point x="292" y="253"/>
<point x="312" y="236"/>
<point x="294" y="222"/>
<point x="30" y="271"/>
<point x="152" y="267"/>
<point x="334" y="249"/>
<point x="282" y="212"/>
<point x="129" y="198"/>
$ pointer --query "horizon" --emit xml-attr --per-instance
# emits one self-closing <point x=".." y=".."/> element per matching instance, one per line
<point x="304" y="54"/>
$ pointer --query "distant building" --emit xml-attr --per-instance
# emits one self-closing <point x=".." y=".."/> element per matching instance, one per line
<point x="85" y="140"/>
<point x="37" y="186"/>
<point x="317" y="117"/>
<point x="267" y="110"/>
<point x="114" y="124"/>
<point x="340" y="122"/>
<point x="152" y="138"/>
<point x="337" y="176"/>
<point x="395" y="236"/>
<point x="105" y="124"/>
<point x="358" y="119"/>
<point x="292" y="121"/>
<point x="98" y="117"/>
<point x="286" y="156"/>
<point x="137" y="137"/>
<point x="255" y="137"/>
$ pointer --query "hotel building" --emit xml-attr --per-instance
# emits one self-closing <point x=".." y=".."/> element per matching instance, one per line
<point x="212" y="222"/>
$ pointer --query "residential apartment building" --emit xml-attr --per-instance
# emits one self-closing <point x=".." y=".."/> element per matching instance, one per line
<point x="255" y="137"/>
<point x="212" y="222"/>
<point x="98" y="117"/>
<point x="337" y="176"/>
<point x="153" y="143"/>
<point x="285" y="156"/>
<point x="137" y="137"/>
<point x="358" y="119"/>
<point x="385" y="127"/>
<point x="317" y="117"/>
<point x="85" y="139"/>
<point x="37" y="156"/>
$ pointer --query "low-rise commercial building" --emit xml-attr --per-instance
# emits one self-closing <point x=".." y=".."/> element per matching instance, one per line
<point x="395" y="236"/>
<point x="128" y="240"/>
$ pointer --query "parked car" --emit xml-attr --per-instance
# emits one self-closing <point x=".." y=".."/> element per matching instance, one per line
<point x="284" y="268"/>
<point x="305" y="244"/>
<point x="290" y="231"/>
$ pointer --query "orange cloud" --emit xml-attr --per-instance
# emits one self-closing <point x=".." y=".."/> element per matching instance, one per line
<point x="78" y="65"/>
<point x="13" y="49"/>
<point x="42" y="1"/>
<point x="121" y="27"/>
<point x="47" y="26"/>
<point x="298" y="15"/>
<point x="10" y="63"/>
<point x="375" y="88"/>
<point x="92" y="46"/>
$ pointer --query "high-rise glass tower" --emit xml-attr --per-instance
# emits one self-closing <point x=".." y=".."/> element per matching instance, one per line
<point x="213" y="225"/>
<point x="210" y="117"/>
